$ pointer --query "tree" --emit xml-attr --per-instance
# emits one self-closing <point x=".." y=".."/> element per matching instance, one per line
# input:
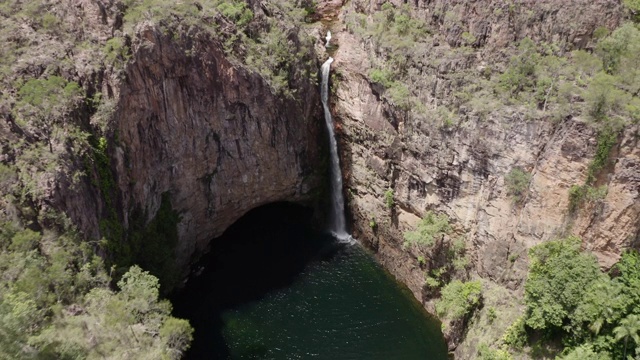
<point x="628" y="328"/>
<point x="132" y="323"/>
<point x="559" y="276"/>
<point x="459" y="299"/>
<point x="634" y="6"/>
<point x="629" y="267"/>
<point x="18" y="318"/>
<point x="584" y="352"/>
<point x="520" y="75"/>
<point x="176" y="335"/>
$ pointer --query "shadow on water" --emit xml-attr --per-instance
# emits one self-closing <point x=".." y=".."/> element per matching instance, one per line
<point x="265" y="250"/>
<point x="273" y="288"/>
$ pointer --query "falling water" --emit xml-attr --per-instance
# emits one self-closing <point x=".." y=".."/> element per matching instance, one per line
<point x="338" y="226"/>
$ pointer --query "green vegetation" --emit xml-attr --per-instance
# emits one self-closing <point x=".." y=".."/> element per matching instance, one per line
<point x="388" y="198"/>
<point x="55" y="302"/>
<point x="276" y="47"/>
<point x="517" y="183"/>
<point x="579" y="195"/>
<point x="432" y="227"/>
<point x="156" y="256"/>
<point x="539" y="80"/>
<point x="43" y="103"/>
<point x="629" y="328"/>
<point x="396" y="31"/>
<point x="634" y="7"/>
<point x="116" y="52"/>
<point x="459" y="299"/>
<point x="491" y="314"/>
<point x="588" y="194"/>
<point x="568" y="298"/>
<point x="373" y="224"/>
<point x="521" y="74"/>
<point x="442" y="256"/>
<point x="558" y="275"/>
<point x="606" y="140"/>
<point x="236" y="11"/>
<point x="150" y="245"/>
<point x="487" y="353"/>
<point x="515" y="336"/>
<point x="584" y="352"/>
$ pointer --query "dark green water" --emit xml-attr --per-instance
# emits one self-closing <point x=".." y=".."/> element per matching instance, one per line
<point x="275" y="289"/>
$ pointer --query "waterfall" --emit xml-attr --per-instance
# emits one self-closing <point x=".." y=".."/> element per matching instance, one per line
<point x="338" y="227"/>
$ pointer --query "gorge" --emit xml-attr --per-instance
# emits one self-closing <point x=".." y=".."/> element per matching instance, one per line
<point x="481" y="145"/>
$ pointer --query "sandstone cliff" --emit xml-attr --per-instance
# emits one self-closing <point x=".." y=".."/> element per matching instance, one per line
<point x="179" y="113"/>
<point x="188" y="117"/>
<point x="212" y="134"/>
<point x="460" y="168"/>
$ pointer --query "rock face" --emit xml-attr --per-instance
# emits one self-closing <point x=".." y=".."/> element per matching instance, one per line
<point x="496" y="24"/>
<point x="461" y="170"/>
<point x="195" y="124"/>
<point x="212" y="134"/>
<point x="178" y="116"/>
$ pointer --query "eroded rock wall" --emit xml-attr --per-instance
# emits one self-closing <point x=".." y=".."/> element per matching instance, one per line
<point x="496" y="24"/>
<point x="211" y="133"/>
<point x="460" y="170"/>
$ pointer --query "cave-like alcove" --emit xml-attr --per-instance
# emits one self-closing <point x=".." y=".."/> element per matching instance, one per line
<point x="263" y="251"/>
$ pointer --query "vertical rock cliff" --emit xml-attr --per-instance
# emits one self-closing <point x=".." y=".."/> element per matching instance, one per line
<point x="211" y="133"/>
<point x="180" y="113"/>
<point x="460" y="168"/>
<point x="191" y="118"/>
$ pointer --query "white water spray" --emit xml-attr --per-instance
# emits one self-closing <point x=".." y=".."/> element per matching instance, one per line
<point x="338" y="227"/>
<point x="328" y="38"/>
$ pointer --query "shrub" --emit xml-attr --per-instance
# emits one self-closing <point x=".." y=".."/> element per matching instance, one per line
<point x="115" y="49"/>
<point x="517" y="182"/>
<point x="459" y="299"/>
<point x="578" y="195"/>
<point x="388" y="198"/>
<point x="381" y="76"/>
<point x="607" y="138"/>
<point x="603" y="97"/>
<point x="401" y="96"/>
<point x="634" y="7"/>
<point x="432" y="282"/>
<point x="429" y="228"/>
<point x="584" y="352"/>
<point x="468" y="38"/>
<point x="461" y="262"/>
<point x="487" y="353"/>
<point x="491" y="314"/>
<point x="516" y="335"/>
<point x="520" y="74"/>
<point x="236" y="11"/>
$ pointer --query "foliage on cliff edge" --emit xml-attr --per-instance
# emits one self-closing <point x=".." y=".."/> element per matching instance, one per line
<point x="569" y="299"/>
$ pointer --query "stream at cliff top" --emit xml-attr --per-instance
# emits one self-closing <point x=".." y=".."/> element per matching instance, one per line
<point x="273" y="288"/>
